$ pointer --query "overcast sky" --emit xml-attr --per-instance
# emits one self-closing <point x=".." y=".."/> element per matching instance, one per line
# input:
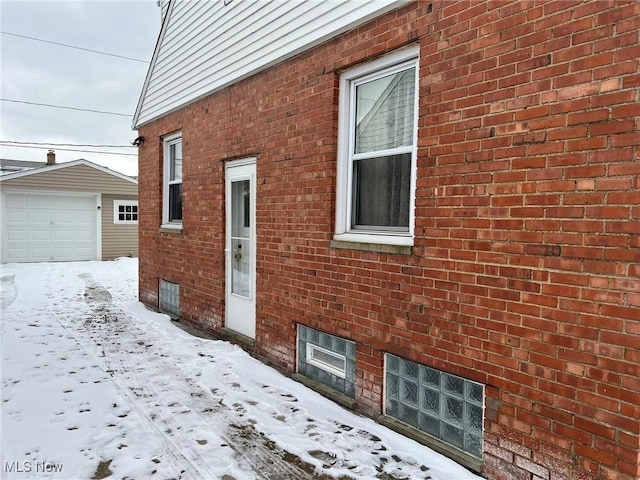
<point x="38" y="72"/>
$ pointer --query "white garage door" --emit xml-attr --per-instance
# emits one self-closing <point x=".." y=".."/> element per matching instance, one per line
<point x="49" y="227"/>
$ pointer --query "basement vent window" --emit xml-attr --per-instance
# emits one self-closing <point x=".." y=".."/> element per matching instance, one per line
<point x="169" y="298"/>
<point x="327" y="359"/>
<point x="445" y="406"/>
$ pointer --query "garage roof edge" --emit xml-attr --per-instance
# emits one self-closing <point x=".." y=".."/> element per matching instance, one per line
<point x="59" y="166"/>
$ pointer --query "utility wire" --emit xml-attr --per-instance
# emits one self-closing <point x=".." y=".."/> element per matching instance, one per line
<point x="12" y="142"/>
<point x="67" y="108"/>
<point x="75" y="150"/>
<point x="73" y="46"/>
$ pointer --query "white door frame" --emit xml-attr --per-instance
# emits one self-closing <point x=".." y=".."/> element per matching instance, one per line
<point x="240" y="310"/>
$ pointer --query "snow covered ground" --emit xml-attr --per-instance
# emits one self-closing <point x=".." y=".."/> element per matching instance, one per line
<point x="94" y="386"/>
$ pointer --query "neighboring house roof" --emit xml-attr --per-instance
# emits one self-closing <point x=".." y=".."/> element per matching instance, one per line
<point x="10" y="166"/>
<point x="62" y="166"/>
<point x="206" y="46"/>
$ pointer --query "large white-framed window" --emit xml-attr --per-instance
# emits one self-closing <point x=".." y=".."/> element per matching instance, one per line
<point x="125" y="211"/>
<point x="172" y="181"/>
<point x="377" y="148"/>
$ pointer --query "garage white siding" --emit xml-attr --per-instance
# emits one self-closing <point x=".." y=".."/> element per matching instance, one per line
<point x="41" y="227"/>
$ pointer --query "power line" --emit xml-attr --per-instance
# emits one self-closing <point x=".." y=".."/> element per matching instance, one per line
<point x="73" y="46"/>
<point x="66" y="108"/>
<point x="12" y="142"/>
<point x="75" y="150"/>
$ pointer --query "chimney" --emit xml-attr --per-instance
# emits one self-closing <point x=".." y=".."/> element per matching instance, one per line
<point x="51" y="157"/>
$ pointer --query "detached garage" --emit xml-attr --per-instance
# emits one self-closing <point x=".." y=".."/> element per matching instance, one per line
<point x="68" y="212"/>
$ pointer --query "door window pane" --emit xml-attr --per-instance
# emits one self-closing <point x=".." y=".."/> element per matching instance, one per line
<point x="241" y="210"/>
<point x="241" y="238"/>
<point x="241" y="271"/>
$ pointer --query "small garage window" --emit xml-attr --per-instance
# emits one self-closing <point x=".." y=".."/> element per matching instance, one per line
<point x="125" y="211"/>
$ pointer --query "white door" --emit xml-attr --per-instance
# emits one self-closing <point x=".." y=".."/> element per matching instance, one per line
<point x="47" y="227"/>
<point x="241" y="247"/>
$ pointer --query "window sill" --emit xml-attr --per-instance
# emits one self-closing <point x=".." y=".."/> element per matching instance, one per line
<point x="171" y="228"/>
<point x="397" y="246"/>
<point x="328" y="392"/>
<point x="463" y="458"/>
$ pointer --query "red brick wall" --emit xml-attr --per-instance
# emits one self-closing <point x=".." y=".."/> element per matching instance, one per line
<point x="525" y="274"/>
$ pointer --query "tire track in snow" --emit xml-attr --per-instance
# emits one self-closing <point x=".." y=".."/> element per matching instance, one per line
<point x="115" y="332"/>
<point x="172" y="454"/>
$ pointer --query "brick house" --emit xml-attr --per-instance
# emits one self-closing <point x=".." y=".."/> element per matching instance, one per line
<point x="427" y="210"/>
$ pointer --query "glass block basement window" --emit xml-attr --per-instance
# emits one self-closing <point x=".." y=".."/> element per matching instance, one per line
<point x="170" y="298"/>
<point x="327" y="359"/>
<point x="445" y="406"/>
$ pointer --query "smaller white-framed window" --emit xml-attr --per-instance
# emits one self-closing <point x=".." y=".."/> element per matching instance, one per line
<point x="125" y="211"/>
<point x="327" y="360"/>
<point x="172" y="181"/>
<point x="377" y="150"/>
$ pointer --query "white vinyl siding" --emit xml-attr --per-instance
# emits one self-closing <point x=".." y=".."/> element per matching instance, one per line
<point x="206" y="46"/>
